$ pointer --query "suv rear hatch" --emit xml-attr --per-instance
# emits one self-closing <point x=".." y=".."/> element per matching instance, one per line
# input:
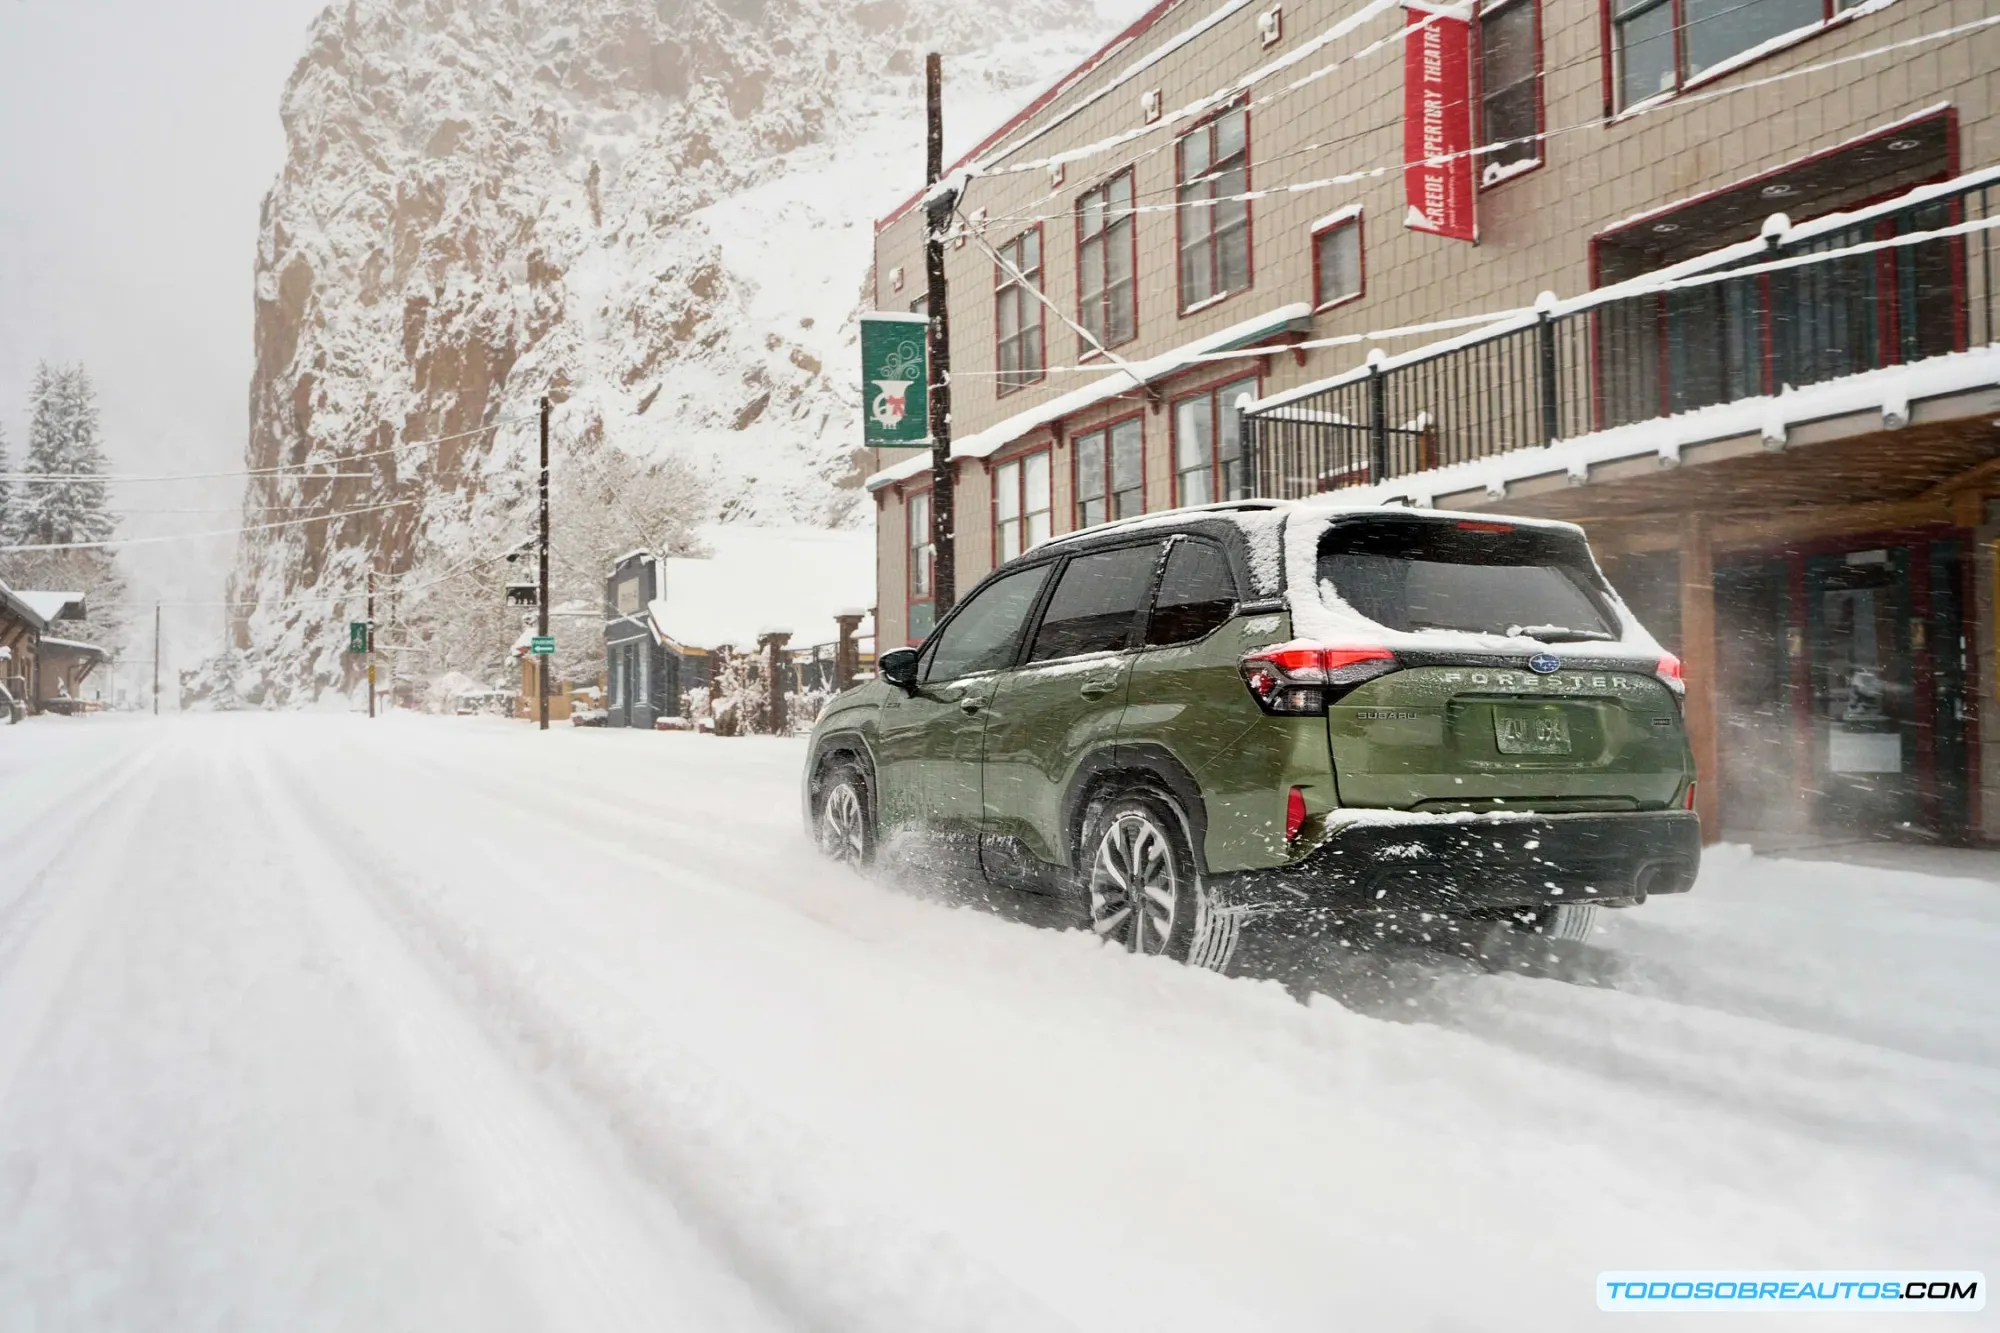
<point x="1485" y="666"/>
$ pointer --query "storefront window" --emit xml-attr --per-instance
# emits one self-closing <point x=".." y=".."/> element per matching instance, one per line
<point x="1208" y="445"/>
<point x="1110" y="473"/>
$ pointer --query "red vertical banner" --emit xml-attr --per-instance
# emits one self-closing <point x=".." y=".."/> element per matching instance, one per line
<point x="1437" y="122"/>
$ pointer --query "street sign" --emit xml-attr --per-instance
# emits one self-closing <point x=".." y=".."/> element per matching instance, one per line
<point x="357" y="636"/>
<point x="894" y="392"/>
<point x="543" y="646"/>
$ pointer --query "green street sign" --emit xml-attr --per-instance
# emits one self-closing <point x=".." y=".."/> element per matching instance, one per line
<point x="543" y="646"/>
<point x="357" y="636"/>
<point x="895" y="393"/>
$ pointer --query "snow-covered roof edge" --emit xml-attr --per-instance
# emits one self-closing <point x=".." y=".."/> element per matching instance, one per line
<point x="52" y="605"/>
<point x="73" y="645"/>
<point x="11" y="600"/>
<point x="634" y="555"/>
<point x="998" y="436"/>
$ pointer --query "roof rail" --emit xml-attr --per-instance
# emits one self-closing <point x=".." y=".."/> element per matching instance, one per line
<point x="1161" y="517"/>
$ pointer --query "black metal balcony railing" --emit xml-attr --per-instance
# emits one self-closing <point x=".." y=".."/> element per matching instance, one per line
<point x="1618" y="356"/>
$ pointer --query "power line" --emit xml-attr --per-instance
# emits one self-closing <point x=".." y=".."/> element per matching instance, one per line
<point x="191" y="536"/>
<point x="1222" y="95"/>
<point x="1643" y="109"/>
<point x="1602" y="295"/>
<point x="286" y="469"/>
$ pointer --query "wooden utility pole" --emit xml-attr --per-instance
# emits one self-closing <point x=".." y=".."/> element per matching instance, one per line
<point x="542" y="663"/>
<point x="156" y="659"/>
<point x="937" y="215"/>
<point x="371" y="643"/>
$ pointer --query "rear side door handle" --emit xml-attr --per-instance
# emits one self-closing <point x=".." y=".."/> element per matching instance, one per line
<point x="968" y="706"/>
<point x="1097" y="689"/>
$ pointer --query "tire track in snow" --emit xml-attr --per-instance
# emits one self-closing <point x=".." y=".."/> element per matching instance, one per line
<point x="593" y="1257"/>
<point x="1904" y="1106"/>
<point x="756" y="1183"/>
<point x="51" y="922"/>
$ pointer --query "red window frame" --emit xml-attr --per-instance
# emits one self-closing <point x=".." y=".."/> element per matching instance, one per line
<point x="1103" y="428"/>
<point x="1131" y="224"/>
<point x="1021" y="497"/>
<point x="1320" y="300"/>
<point x="1479" y="82"/>
<point x="1207" y="126"/>
<point x="911" y="547"/>
<point x="1212" y="390"/>
<point x="1004" y="286"/>
<point x="1831" y="15"/>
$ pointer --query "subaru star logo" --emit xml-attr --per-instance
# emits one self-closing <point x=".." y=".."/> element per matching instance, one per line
<point x="1545" y="663"/>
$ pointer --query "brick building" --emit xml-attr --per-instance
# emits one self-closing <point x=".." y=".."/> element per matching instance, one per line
<point x="1786" y="471"/>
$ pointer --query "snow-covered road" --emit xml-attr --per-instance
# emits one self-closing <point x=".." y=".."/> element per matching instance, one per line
<point x="313" y="1023"/>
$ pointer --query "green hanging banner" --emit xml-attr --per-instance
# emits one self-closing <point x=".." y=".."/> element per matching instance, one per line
<point x="895" y="381"/>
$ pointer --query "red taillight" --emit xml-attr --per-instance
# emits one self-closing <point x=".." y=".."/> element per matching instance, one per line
<point x="1474" y="525"/>
<point x="1295" y="814"/>
<point x="1669" y="672"/>
<point x="1294" y="678"/>
<point x="1689" y="804"/>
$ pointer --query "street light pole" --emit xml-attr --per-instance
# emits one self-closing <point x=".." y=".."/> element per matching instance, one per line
<point x="371" y="643"/>
<point x="156" y="659"/>
<point x="543" y="664"/>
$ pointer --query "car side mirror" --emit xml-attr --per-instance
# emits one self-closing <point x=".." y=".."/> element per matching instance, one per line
<point x="899" y="668"/>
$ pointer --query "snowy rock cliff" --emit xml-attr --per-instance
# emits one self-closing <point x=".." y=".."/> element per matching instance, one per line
<point x="656" y="210"/>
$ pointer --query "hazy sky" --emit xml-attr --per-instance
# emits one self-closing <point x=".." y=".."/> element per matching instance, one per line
<point x="137" y="139"/>
<point x="136" y="142"/>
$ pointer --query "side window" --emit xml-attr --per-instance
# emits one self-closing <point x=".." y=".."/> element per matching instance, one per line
<point x="1197" y="595"/>
<point x="984" y="635"/>
<point x="1095" y="608"/>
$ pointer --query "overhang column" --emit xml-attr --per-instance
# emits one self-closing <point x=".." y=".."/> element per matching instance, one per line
<point x="1699" y="668"/>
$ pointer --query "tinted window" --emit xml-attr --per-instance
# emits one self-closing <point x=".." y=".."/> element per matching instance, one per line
<point x="1197" y="595"/>
<point x="986" y="632"/>
<point x="1096" y="605"/>
<point x="1486" y="577"/>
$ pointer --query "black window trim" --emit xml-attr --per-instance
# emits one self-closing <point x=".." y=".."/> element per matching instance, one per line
<point x="1159" y="581"/>
<point x="1135" y="634"/>
<point x="1012" y="567"/>
<point x="1586" y="573"/>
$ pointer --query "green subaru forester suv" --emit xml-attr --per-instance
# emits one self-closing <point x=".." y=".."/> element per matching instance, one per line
<point x="1268" y="717"/>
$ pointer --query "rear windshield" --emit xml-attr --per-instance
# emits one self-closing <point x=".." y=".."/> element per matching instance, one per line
<point x="1491" y="578"/>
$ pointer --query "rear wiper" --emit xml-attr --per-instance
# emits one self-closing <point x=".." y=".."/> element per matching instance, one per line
<point x="1559" y="634"/>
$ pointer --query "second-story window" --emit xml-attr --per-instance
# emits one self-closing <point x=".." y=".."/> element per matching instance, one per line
<point x="1337" y="260"/>
<point x="1017" y="313"/>
<point x="1106" y="255"/>
<point x="1214" y="165"/>
<point x="1110" y="474"/>
<point x="1658" y="45"/>
<point x="1510" y="98"/>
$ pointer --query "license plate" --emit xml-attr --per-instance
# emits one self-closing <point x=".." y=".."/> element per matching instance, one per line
<point x="1531" y="731"/>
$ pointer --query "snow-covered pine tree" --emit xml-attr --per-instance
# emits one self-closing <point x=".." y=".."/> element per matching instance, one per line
<point x="6" y="492"/>
<point x="63" y="444"/>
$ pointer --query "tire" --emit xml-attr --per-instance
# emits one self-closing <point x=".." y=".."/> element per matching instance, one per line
<point x="1566" y="921"/>
<point x="1142" y="837"/>
<point x="844" y="819"/>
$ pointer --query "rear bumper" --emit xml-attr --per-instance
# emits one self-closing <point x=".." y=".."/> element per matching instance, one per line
<point x="1480" y="864"/>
